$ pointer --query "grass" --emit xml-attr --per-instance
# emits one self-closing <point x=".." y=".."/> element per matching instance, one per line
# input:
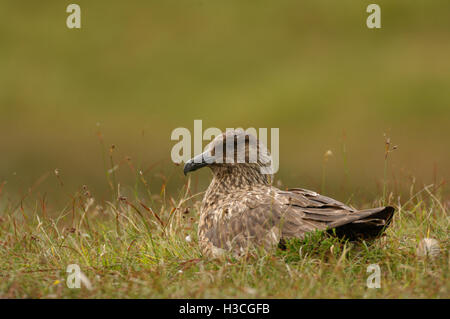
<point x="147" y="248"/>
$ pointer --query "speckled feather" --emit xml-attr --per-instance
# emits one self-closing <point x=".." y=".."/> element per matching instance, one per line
<point x="241" y="210"/>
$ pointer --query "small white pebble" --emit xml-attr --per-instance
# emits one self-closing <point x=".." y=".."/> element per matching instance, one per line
<point x="180" y="271"/>
<point x="250" y="291"/>
<point x="188" y="238"/>
<point x="428" y="247"/>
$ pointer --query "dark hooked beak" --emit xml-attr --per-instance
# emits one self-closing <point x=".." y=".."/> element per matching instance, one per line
<point x="197" y="162"/>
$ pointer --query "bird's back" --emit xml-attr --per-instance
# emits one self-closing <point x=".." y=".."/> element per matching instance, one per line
<point x="241" y="218"/>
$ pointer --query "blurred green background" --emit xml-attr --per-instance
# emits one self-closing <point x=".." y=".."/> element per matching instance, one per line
<point x="137" y="70"/>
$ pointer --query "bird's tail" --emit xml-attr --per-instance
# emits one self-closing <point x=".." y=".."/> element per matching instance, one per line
<point x="364" y="224"/>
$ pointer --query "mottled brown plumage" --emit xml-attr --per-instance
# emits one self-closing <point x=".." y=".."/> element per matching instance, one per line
<point x="241" y="209"/>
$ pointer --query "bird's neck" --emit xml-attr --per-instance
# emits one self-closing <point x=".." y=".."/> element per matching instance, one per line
<point x="229" y="179"/>
<point x="239" y="176"/>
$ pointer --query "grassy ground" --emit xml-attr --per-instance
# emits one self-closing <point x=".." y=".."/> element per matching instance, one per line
<point x="131" y="249"/>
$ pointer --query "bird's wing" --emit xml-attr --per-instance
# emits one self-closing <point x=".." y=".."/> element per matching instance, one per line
<point x="315" y="199"/>
<point x="327" y="213"/>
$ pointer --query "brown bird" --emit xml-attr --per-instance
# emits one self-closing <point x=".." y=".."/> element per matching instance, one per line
<point x="242" y="210"/>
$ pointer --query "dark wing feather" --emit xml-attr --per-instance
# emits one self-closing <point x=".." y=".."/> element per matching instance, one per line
<point x="317" y="199"/>
<point x="331" y="214"/>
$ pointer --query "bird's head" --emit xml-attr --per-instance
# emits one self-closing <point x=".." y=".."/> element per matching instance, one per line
<point x="235" y="153"/>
